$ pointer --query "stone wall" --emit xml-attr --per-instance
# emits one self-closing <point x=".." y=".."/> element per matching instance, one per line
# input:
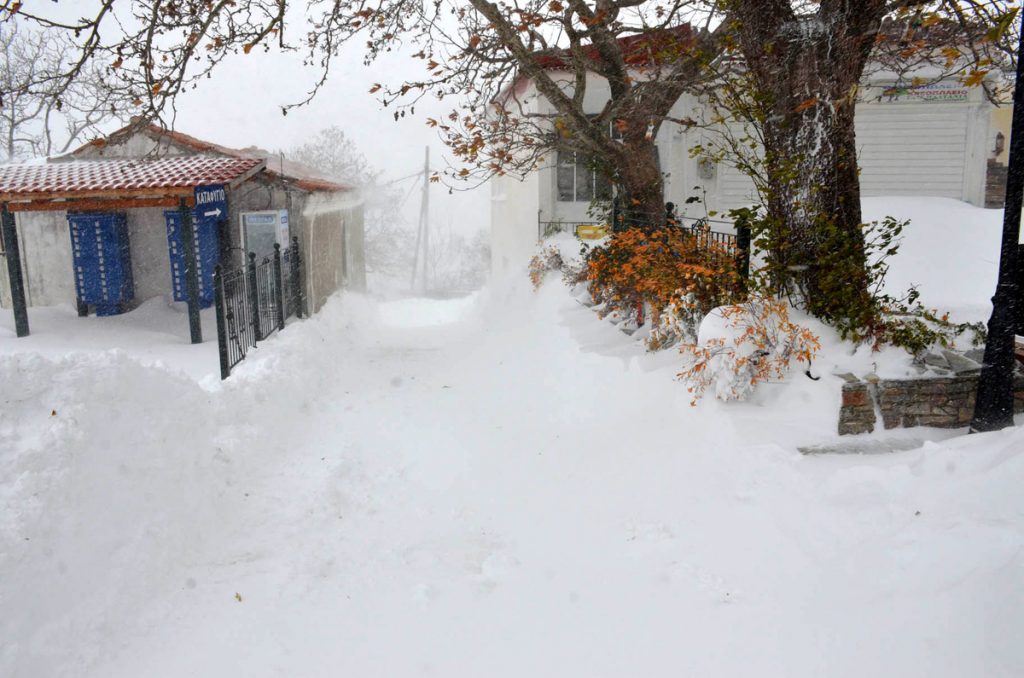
<point x="943" y="402"/>
<point x="995" y="184"/>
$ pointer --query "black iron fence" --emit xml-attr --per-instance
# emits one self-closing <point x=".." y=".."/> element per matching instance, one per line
<point x="735" y="244"/>
<point x="254" y="301"/>
<point x="546" y="229"/>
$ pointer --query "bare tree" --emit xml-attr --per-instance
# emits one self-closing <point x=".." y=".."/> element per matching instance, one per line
<point x="335" y="156"/>
<point x="457" y="264"/>
<point x="387" y="240"/>
<point x="40" y="116"/>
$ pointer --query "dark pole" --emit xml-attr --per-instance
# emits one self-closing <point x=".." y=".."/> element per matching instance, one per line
<point x="993" y="408"/>
<point x="254" y="296"/>
<point x="222" y="328"/>
<point x="296" y="278"/>
<point x="278" y="287"/>
<point x="743" y="247"/>
<point x="14" y="275"/>
<point x="188" y="241"/>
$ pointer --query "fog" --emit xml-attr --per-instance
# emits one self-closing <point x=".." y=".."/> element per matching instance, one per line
<point x="241" y="106"/>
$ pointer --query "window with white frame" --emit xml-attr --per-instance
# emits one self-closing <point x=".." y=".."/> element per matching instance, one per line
<point x="579" y="181"/>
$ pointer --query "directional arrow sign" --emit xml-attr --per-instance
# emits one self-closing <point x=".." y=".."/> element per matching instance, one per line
<point x="211" y="201"/>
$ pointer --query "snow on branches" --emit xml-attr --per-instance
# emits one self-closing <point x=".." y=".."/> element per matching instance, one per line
<point x="743" y="345"/>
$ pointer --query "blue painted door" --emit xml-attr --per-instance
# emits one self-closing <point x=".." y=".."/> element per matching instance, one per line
<point x="206" y="249"/>
<point x="101" y="257"/>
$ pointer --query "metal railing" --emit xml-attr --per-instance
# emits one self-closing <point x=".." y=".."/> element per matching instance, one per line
<point x="546" y="229"/>
<point x="264" y="277"/>
<point x="697" y="227"/>
<point x="734" y="245"/>
<point x="237" y="335"/>
<point x="254" y="301"/>
<point x="292" y="288"/>
<point x="701" y="230"/>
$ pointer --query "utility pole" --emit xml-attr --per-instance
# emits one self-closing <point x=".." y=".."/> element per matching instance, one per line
<point x="421" y="259"/>
<point x="993" y="407"/>
<point x="425" y="215"/>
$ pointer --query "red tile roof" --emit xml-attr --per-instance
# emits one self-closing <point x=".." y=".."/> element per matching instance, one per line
<point x="656" y="46"/>
<point x="103" y="178"/>
<point x="301" y="176"/>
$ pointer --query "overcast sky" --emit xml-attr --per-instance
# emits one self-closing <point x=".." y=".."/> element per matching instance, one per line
<point x="241" y="106"/>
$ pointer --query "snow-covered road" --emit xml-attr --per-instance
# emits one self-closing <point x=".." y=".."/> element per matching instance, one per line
<point x="499" y="486"/>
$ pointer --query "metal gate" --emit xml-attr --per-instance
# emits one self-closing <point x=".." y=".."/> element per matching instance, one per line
<point x="254" y="301"/>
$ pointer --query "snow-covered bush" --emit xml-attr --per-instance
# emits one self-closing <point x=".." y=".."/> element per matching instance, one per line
<point x="742" y="345"/>
<point x="677" y="322"/>
<point x="547" y="260"/>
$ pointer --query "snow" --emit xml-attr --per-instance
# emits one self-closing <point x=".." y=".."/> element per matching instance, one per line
<point x="499" y="485"/>
<point x="950" y="251"/>
<point x="156" y="333"/>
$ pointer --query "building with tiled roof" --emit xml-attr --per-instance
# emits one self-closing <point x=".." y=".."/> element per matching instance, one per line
<point x="135" y="183"/>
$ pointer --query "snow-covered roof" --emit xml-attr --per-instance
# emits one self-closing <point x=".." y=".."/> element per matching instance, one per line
<point x="117" y="178"/>
<point x="294" y="173"/>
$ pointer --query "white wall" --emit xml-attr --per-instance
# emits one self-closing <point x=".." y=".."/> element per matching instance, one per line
<point x="135" y="146"/>
<point x="45" y="243"/>
<point x="151" y="261"/>
<point x="514" y="206"/>
<point x="673" y="143"/>
<point x="46" y="246"/>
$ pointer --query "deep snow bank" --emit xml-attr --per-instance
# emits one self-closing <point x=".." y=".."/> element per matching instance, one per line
<point x="114" y="476"/>
<point x="950" y="251"/>
<point x="107" y="469"/>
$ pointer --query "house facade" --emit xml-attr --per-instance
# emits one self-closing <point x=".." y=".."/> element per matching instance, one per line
<point x="280" y="202"/>
<point x="934" y="140"/>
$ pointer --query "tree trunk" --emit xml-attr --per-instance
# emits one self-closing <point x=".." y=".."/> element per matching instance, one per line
<point x="805" y="72"/>
<point x="641" y="185"/>
<point x="814" y="192"/>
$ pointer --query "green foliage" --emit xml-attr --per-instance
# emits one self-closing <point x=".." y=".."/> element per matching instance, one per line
<point x="878" y="317"/>
<point x="917" y="329"/>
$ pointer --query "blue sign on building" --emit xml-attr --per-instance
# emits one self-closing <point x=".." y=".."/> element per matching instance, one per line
<point x="211" y="202"/>
<point x="210" y="210"/>
<point x="102" y="260"/>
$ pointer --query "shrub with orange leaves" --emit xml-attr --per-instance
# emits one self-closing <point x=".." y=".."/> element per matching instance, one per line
<point x="758" y="342"/>
<point x="679" y="276"/>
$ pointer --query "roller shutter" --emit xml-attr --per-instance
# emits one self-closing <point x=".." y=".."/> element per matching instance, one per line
<point x="910" y="149"/>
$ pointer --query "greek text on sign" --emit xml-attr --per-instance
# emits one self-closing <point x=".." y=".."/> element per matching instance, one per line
<point x="211" y="201"/>
<point x="939" y="91"/>
<point x="259" y="218"/>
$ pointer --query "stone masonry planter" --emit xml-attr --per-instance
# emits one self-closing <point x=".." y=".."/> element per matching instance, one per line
<point x="943" y="402"/>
